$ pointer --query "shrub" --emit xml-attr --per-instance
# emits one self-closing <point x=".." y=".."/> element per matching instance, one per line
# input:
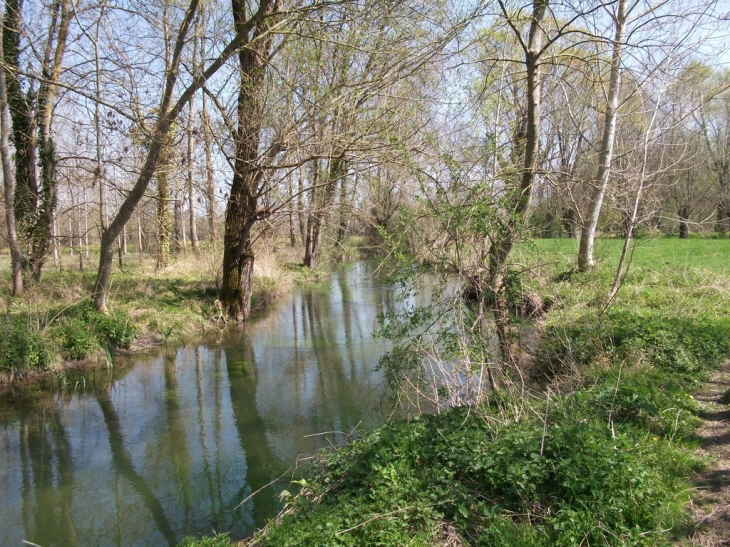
<point x="21" y="347"/>
<point x="77" y="341"/>
<point x="116" y="328"/>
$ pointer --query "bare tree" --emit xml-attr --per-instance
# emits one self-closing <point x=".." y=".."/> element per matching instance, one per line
<point x="588" y="233"/>
<point x="167" y="112"/>
<point x="517" y="199"/>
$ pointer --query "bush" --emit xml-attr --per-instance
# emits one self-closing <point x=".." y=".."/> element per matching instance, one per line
<point x="21" y="347"/>
<point x="77" y="340"/>
<point x="116" y="328"/>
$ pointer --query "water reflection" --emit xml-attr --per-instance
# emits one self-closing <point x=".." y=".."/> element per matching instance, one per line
<point x="166" y="446"/>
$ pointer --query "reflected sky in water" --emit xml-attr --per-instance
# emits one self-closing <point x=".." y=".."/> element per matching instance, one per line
<point x="164" y="446"/>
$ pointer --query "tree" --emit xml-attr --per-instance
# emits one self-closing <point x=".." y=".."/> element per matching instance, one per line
<point x="167" y="112"/>
<point x="588" y="233"/>
<point x="31" y="111"/>
<point x="9" y="179"/>
<point x="714" y="123"/>
<point x="243" y="211"/>
<point x="518" y="193"/>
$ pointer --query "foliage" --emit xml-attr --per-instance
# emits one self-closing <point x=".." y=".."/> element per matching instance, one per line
<point x="685" y="347"/>
<point x="76" y="340"/>
<point x="115" y="328"/>
<point x="21" y="347"/>
<point x="580" y="476"/>
<point x="599" y="456"/>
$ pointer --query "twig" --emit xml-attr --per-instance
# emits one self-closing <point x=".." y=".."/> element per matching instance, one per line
<point x="252" y="494"/>
<point x="385" y="515"/>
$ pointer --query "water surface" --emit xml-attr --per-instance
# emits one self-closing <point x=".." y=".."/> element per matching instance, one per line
<point x="168" y="445"/>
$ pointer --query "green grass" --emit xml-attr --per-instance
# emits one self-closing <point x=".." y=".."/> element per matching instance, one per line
<point x="603" y="460"/>
<point x="649" y="254"/>
<point x="53" y="321"/>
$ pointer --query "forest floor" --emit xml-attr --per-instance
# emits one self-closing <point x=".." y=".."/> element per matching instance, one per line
<point x="711" y="506"/>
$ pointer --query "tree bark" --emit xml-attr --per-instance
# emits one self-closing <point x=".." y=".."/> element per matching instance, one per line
<point x="24" y="135"/>
<point x="48" y="160"/>
<point x="191" y="149"/>
<point x="191" y="185"/>
<point x="9" y="179"/>
<point x="209" y="180"/>
<point x="588" y="234"/>
<point x="159" y="137"/>
<point x="518" y="199"/>
<point x="242" y="209"/>
<point x="164" y="217"/>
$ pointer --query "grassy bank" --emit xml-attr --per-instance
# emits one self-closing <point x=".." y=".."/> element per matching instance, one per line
<point x="592" y="444"/>
<point x="54" y="322"/>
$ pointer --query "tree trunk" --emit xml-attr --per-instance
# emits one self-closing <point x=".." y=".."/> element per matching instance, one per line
<point x="344" y="214"/>
<point x="241" y="211"/>
<point x="9" y="180"/>
<point x="588" y="234"/>
<point x="139" y="237"/>
<point x="164" y="218"/>
<point x="48" y="160"/>
<point x="54" y="244"/>
<point x="323" y="199"/>
<point x="191" y="192"/>
<point x="722" y="218"/>
<point x="300" y="205"/>
<point x="191" y="150"/>
<point x="209" y="181"/>
<point x="683" y="213"/>
<point x="23" y="136"/>
<point x="178" y="224"/>
<point x="518" y="200"/>
<point x="290" y="187"/>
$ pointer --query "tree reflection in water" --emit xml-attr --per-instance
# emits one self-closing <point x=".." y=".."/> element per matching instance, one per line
<point x="163" y="446"/>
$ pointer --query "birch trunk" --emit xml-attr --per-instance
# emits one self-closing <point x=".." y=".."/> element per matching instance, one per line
<point x="588" y="234"/>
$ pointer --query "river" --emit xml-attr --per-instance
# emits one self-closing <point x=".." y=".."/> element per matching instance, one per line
<point x="169" y="444"/>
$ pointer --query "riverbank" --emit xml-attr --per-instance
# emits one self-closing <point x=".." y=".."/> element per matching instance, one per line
<point x="598" y="444"/>
<point x="53" y="328"/>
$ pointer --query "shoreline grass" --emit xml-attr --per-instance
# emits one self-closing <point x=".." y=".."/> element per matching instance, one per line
<point x="53" y="326"/>
<point x="599" y="451"/>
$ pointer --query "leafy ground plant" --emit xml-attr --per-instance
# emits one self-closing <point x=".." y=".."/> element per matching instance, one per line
<point x="600" y="452"/>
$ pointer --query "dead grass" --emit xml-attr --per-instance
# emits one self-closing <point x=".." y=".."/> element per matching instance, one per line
<point x="167" y="304"/>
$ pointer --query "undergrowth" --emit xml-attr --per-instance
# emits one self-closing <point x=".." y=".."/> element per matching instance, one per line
<point x="54" y="322"/>
<point x="601" y="466"/>
<point x="597" y="452"/>
<point x="29" y="341"/>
